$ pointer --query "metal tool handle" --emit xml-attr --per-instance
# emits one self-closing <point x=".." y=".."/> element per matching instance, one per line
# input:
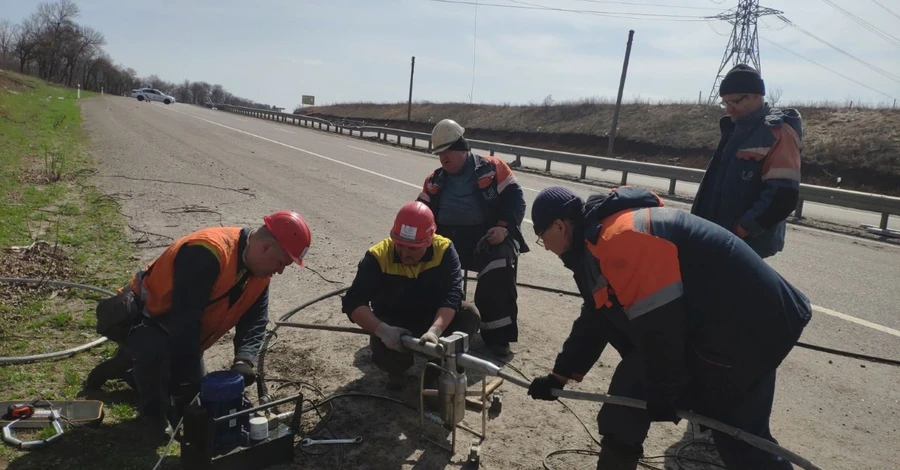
<point x="11" y="439"/>
<point x="732" y="431"/>
<point x="312" y="442"/>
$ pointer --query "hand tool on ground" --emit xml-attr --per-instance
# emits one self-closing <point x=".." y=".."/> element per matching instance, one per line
<point x="316" y="442"/>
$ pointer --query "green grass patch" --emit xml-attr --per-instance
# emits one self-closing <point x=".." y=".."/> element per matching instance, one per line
<point x="75" y="233"/>
<point x="122" y="411"/>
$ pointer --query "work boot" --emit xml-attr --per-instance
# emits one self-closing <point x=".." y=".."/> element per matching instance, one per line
<point x="396" y="382"/>
<point x="615" y="455"/>
<point x="114" y="368"/>
<point x="499" y="350"/>
<point x="155" y="428"/>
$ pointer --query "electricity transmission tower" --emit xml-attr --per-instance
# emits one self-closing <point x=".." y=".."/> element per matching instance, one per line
<point x="743" y="45"/>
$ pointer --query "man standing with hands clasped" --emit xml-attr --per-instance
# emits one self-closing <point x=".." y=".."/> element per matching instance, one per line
<point x="752" y="182"/>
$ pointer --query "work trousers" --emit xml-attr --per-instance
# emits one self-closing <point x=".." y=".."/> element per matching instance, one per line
<point x="496" y="295"/>
<point x="395" y="362"/>
<point x="150" y="346"/>
<point x="745" y="407"/>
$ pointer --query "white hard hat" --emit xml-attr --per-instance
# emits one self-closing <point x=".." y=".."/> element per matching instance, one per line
<point x="445" y="133"/>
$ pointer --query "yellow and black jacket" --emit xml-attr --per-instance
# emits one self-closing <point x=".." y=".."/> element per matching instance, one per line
<point x="406" y="295"/>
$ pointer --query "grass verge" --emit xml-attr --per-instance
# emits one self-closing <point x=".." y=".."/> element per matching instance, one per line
<point x="57" y="226"/>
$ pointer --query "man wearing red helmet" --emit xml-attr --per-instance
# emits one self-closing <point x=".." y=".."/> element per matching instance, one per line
<point x="203" y="285"/>
<point x="408" y="284"/>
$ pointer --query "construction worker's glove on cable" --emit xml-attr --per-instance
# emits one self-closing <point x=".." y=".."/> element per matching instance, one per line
<point x="246" y="370"/>
<point x="542" y="388"/>
<point x="431" y="336"/>
<point x="390" y="336"/>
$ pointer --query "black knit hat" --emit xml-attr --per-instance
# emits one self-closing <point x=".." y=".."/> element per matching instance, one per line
<point x="742" y="79"/>
<point x="555" y="202"/>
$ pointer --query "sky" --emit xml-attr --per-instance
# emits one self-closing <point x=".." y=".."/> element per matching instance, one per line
<point x="274" y="51"/>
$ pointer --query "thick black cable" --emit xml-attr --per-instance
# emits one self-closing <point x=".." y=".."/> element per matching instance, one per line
<point x="837" y="352"/>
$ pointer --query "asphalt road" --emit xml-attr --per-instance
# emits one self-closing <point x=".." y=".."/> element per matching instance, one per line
<point x="853" y="276"/>
<point x="349" y="189"/>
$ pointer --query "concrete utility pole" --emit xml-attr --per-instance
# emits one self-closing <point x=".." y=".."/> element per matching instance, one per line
<point x="412" y="71"/>
<point x="615" y="123"/>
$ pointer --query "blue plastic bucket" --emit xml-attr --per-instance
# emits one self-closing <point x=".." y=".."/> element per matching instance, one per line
<point x="222" y="393"/>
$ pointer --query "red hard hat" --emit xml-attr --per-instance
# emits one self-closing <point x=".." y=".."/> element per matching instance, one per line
<point x="291" y="232"/>
<point x="414" y="225"/>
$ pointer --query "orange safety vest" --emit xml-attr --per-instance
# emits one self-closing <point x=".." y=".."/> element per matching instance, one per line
<point x="155" y="289"/>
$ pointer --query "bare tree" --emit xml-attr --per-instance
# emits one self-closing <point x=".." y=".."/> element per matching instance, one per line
<point x="51" y="44"/>
<point x="200" y="92"/>
<point x="87" y="42"/>
<point x="56" y="28"/>
<point x="183" y="92"/>
<point x="217" y="95"/>
<point x="7" y="40"/>
<point x="775" y="96"/>
<point x="25" y="41"/>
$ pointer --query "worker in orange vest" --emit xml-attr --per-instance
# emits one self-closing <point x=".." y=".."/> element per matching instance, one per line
<point x="181" y="303"/>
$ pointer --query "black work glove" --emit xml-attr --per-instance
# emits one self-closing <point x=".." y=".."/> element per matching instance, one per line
<point x="662" y="411"/>
<point x="246" y="370"/>
<point x="542" y="388"/>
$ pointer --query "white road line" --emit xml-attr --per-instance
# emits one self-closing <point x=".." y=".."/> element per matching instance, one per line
<point x="285" y="130"/>
<point x="858" y="321"/>
<point x="824" y="310"/>
<point x="369" y="151"/>
<point x="304" y="151"/>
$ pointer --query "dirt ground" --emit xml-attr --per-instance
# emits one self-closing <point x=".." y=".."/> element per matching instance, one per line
<point x="840" y="413"/>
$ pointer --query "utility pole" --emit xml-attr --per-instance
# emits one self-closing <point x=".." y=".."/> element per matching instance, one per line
<point x="615" y="123"/>
<point x="412" y="71"/>
<point x="743" y="45"/>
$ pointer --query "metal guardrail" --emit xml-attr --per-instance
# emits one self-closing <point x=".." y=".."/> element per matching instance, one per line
<point x="878" y="203"/>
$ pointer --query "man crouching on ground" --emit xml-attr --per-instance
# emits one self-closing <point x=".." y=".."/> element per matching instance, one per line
<point x="408" y="284"/>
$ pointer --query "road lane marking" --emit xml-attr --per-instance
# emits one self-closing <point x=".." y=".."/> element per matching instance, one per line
<point x="817" y="308"/>
<point x="369" y="151"/>
<point x="419" y="187"/>
<point x="285" y="130"/>
<point x="858" y="321"/>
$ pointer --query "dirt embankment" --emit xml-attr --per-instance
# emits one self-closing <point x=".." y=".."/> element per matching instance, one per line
<point x="847" y="148"/>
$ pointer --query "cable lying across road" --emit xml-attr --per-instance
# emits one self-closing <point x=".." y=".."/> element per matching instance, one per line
<point x="838" y="352"/>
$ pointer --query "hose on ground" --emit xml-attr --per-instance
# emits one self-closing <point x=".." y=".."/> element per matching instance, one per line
<point x="57" y="354"/>
<point x="262" y="391"/>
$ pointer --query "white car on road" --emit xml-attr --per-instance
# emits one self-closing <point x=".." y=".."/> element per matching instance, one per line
<point x="152" y="94"/>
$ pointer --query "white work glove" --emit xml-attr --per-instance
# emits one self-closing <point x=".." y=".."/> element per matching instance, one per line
<point x="390" y="336"/>
<point x="431" y="336"/>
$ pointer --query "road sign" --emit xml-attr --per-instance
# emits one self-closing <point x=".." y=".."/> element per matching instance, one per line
<point x="309" y="100"/>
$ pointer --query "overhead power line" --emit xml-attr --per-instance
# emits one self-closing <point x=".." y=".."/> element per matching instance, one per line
<point x="886" y="8"/>
<point x="865" y="24"/>
<point x="642" y="4"/>
<point x="827" y="68"/>
<point x="609" y="14"/>
<point x="874" y="68"/>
